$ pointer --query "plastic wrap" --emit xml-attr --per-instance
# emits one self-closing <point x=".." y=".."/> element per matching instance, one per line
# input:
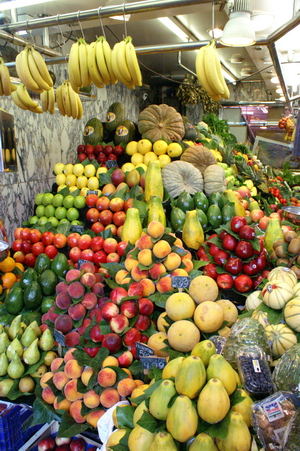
<point x="286" y="375"/>
<point x="219" y="342"/>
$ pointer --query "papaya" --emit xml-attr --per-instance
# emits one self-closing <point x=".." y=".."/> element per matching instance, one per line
<point x="141" y="408"/>
<point x="192" y="232"/>
<point x="219" y="367"/>
<point x="182" y="419"/>
<point x="244" y="407"/>
<point x="213" y="402"/>
<point x="163" y="441"/>
<point x="115" y="438"/>
<point x="140" y="439"/>
<point x="238" y="207"/>
<point x="156" y="211"/>
<point x="190" y="377"/>
<point x="273" y="234"/>
<point x="238" y="437"/>
<point x="132" y="228"/>
<point x="205" y="349"/>
<point x="203" y="442"/>
<point x="160" y="398"/>
<point x="153" y="181"/>
<point x="172" y="367"/>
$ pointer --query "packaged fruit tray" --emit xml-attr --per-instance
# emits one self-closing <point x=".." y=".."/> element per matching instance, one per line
<point x="293" y="214"/>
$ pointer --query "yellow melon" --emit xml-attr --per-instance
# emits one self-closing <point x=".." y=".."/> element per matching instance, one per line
<point x="183" y="335"/>
<point x="229" y="310"/>
<point x="203" y="288"/>
<point x="209" y="316"/>
<point x="180" y="306"/>
<point x="156" y="342"/>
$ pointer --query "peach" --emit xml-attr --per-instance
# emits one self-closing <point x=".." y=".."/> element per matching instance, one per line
<point x="155" y="229"/>
<point x="93" y="417"/>
<point x="72" y="338"/>
<point x="70" y="391"/>
<point x="138" y="274"/>
<point x="60" y="380"/>
<point x="188" y="265"/>
<point x="130" y="262"/>
<point x="56" y="363"/>
<point x="69" y="354"/>
<point x="126" y="386"/>
<point x="109" y="397"/>
<point x="75" y="411"/>
<point x="144" y="242"/>
<point x="64" y="404"/>
<point x="179" y="272"/>
<point x="72" y="369"/>
<point x="88" y="279"/>
<point x="157" y="270"/>
<point x="161" y="249"/>
<point x="48" y="395"/>
<point x="122" y="277"/>
<point x="45" y="377"/>
<point x="164" y="284"/>
<point x="76" y="311"/>
<point x="145" y="257"/>
<point x="91" y="399"/>
<point x="187" y="255"/>
<point x="148" y="287"/>
<point x="107" y="377"/>
<point x="178" y="242"/>
<point x="110" y="361"/>
<point x="86" y="375"/>
<point x="172" y="261"/>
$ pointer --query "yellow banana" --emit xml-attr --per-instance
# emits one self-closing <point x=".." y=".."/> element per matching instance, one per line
<point x="115" y="66"/>
<point x="66" y="99"/>
<point x="24" y="71"/>
<point x="107" y="56"/>
<point x="210" y="65"/>
<point x="59" y="100"/>
<point x="1" y="88"/>
<point x="25" y="97"/>
<point x="42" y="67"/>
<point x="13" y="87"/>
<point x="101" y="63"/>
<point x="17" y="101"/>
<point x="201" y="72"/>
<point x="93" y="68"/>
<point x="37" y="109"/>
<point x="51" y="100"/>
<point x="73" y="101"/>
<point x="44" y="100"/>
<point x="35" y="72"/>
<point x="80" y="107"/>
<point x="73" y="67"/>
<point x="122" y="62"/>
<point x="83" y="63"/>
<point x="5" y="78"/>
<point x="132" y="63"/>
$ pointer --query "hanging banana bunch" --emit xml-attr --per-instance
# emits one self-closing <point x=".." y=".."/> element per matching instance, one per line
<point x="68" y="101"/>
<point x="5" y="85"/>
<point x="48" y="100"/>
<point x="78" y="68"/>
<point x="125" y="64"/>
<point x="189" y="91"/>
<point x="99" y="63"/>
<point x="209" y="72"/>
<point x="32" y="70"/>
<point x="23" y="100"/>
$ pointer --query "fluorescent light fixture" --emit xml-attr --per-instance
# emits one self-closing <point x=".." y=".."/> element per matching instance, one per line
<point x="21" y="33"/>
<point x="123" y="17"/>
<point x="274" y="80"/>
<point x="4" y="6"/>
<point x="215" y="33"/>
<point x="238" y="31"/>
<point x="174" y="28"/>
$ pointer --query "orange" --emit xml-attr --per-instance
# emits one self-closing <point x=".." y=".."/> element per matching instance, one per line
<point x="8" y="279"/>
<point x="7" y="265"/>
<point x="20" y="266"/>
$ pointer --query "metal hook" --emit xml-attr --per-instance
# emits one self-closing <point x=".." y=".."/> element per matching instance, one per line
<point x="101" y="21"/>
<point x="213" y="19"/>
<point x="78" y="18"/>
<point x="124" y="17"/>
<point x="60" y="44"/>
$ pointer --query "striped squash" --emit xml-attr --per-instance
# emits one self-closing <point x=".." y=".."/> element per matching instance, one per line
<point x="292" y="314"/>
<point x="276" y="294"/>
<point x="284" y="274"/>
<point x="253" y="300"/>
<point x="281" y="337"/>
<point x="297" y="290"/>
<point x="261" y="317"/>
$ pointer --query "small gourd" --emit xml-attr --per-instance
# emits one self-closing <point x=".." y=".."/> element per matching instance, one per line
<point x="284" y="274"/>
<point x="253" y="300"/>
<point x="281" y="337"/>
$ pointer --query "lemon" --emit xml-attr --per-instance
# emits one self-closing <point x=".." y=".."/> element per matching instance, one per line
<point x="73" y="188"/>
<point x="137" y="158"/>
<point x="127" y="167"/>
<point x="131" y="148"/>
<point x="84" y="191"/>
<point x="68" y="169"/>
<point x="71" y="179"/>
<point x="78" y="169"/>
<point x="60" y="179"/>
<point x="58" y="168"/>
<point x="93" y="183"/>
<point x="149" y="156"/>
<point x="144" y="146"/>
<point x="174" y="150"/>
<point x="160" y="147"/>
<point x="164" y="160"/>
<point x="60" y="187"/>
<point x="89" y="170"/>
<point x="141" y="165"/>
<point x="82" y="181"/>
<point x="101" y="171"/>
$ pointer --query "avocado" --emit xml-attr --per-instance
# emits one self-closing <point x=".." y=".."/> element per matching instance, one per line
<point x="93" y="132"/>
<point x="114" y="116"/>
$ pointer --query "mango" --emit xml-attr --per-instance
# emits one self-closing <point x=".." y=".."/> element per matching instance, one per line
<point x="190" y="377"/>
<point x="160" y="398"/>
<point x="182" y="419"/>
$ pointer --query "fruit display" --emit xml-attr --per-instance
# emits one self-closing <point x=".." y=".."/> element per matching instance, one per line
<point x="56" y="443"/>
<point x="286" y="250"/>
<point x="98" y="152"/>
<point x="68" y="101"/>
<point x="10" y="273"/>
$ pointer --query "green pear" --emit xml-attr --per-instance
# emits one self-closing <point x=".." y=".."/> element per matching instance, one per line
<point x="14" y="328"/>
<point x="37" y="330"/>
<point x="4" y="342"/>
<point x="32" y="354"/>
<point x="28" y="336"/>
<point x="46" y="341"/>
<point x="15" y="346"/>
<point x="15" y="369"/>
<point x="3" y="364"/>
<point x="5" y="386"/>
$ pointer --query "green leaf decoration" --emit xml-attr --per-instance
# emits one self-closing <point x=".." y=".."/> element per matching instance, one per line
<point x="236" y="398"/>
<point x="125" y="416"/>
<point x="147" y="392"/>
<point x="85" y="360"/>
<point x="68" y="427"/>
<point x="148" y="422"/>
<point x="142" y="208"/>
<point x="218" y="430"/>
<point x="43" y="413"/>
<point x="159" y="299"/>
<point x="112" y="268"/>
<point x="136" y="368"/>
<point x="199" y="263"/>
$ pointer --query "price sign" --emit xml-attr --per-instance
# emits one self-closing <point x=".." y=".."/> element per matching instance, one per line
<point x="81" y="262"/>
<point x="77" y="228"/>
<point x="181" y="282"/>
<point x="143" y="350"/>
<point x="59" y="337"/>
<point x="111" y="164"/>
<point x="153" y="362"/>
<point x="93" y="191"/>
<point x="180" y="251"/>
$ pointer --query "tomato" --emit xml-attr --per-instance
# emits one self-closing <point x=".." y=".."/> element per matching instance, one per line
<point x="243" y="283"/>
<point x="29" y="260"/>
<point x="91" y="200"/>
<point x="51" y="251"/>
<point x="59" y="240"/>
<point x="47" y="238"/>
<point x="110" y="245"/>
<point x="99" y="257"/>
<point x="38" y="248"/>
<point x="75" y="254"/>
<point x="121" y="247"/>
<point x="97" y="243"/>
<point x="113" y="257"/>
<point x="17" y="245"/>
<point x="119" y="218"/>
<point x="26" y="247"/>
<point x="102" y="203"/>
<point x="72" y="239"/>
<point x="106" y="217"/>
<point x="225" y="281"/>
<point x="84" y="241"/>
<point x="35" y="236"/>
<point x="97" y="227"/>
<point x="25" y="234"/>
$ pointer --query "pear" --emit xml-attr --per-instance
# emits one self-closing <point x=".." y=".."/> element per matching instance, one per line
<point x="26" y="384"/>
<point x="28" y="336"/>
<point x="14" y="328"/>
<point x="3" y="364"/>
<point x="4" y="342"/>
<point x="32" y="354"/>
<point x="15" y="346"/>
<point x="46" y="341"/>
<point x="40" y="371"/>
<point x="34" y="325"/>
<point x="15" y="369"/>
<point x="5" y="386"/>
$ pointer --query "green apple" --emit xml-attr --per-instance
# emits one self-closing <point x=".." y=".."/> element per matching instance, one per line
<point x="68" y="201"/>
<point x="53" y="221"/>
<point x="64" y="221"/>
<point x="43" y="220"/>
<point x="40" y="211"/>
<point x="60" y="212"/>
<point x="79" y="201"/>
<point x="72" y="214"/>
<point x="76" y="222"/>
<point x="58" y="200"/>
<point x="33" y="219"/>
<point x="49" y="211"/>
<point x="38" y="200"/>
<point x="47" y="198"/>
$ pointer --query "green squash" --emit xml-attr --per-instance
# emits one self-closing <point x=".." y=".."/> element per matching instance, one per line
<point x="114" y="116"/>
<point x="124" y="133"/>
<point x="93" y="132"/>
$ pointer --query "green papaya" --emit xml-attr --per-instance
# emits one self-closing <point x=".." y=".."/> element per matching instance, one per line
<point x="219" y="367"/>
<point x="14" y="301"/>
<point x="28" y="277"/>
<point x="185" y="202"/>
<point x="163" y="441"/>
<point x="182" y="419"/>
<point x="238" y="437"/>
<point x="124" y="133"/>
<point x="140" y="439"/>
<point x="48" y="281"/>
<point x="228" y="211"/>
<point x="202" y="218"/>
<point x="216" y="199"/>
<point x="60" y="265"/>
<point x="33" y="296"/>
<point x="93" y="132"/>
<point x="190" y="377"/>
<point x="177" y="219"/>
<point x="201" y="201"/>
<point x="214" y="216"/>
<point x="160" y="398"/>
<point x="114" y="116"/>
<point x="42" y="263"/>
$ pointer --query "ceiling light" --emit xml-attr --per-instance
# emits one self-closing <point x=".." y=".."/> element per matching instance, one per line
<point x="4" y="6"/>
<point x="171" y="25"/>
<point x="282" y="98"/>
<point x="123" y="17"/>
<point x="262" y="21"/>
<point x="215" y="33"/>
<point x="274" y="80"/>
<point x="238" y="31"/>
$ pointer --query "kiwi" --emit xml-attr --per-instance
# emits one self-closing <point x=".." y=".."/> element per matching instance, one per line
<point x="278" y="243"/>
<point x="282" y="262"/>
<point x="296" y="270"/>
<point x="294" y="246"/>
<point x="289" y="235"/>
<point x="281" y="251"/>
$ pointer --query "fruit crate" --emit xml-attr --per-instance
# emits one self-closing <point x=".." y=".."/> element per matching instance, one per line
<point x="12" y="418"/>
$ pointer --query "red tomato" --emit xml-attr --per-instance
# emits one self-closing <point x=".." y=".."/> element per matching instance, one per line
<point x="47" y="238"/>
<point x="72" y="239"/>
<point x="35" y="236"/>
<point x="37" y="248"/>
<point x="59" y="240"/>
<point x="29" y="260"/>
<point x="119" y="218"/>
<point x="51" y="251"/>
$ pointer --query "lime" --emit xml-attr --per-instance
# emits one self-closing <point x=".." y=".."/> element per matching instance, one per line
<point x="43" y="220"/>
<point x="64" y="221"/>
<point x="49" y="211"/>
<point x="89" y="170"/>
<point x="72" y="214"/>
<point x="58" y="168"/>
<point x="68" y="201"/>
<point x="33" y="219"/>
<point x="58" y="200"/>
<point x="60" y="212"/>
<point x="68" y="169"/>
<point x="60" y="179"/>
<point x="47" y="198"/>
<point x="38" y="200"/>
<point x="40" y="211"/>
<point x="79" y="201"/>
<point x="78" y="169"/>
<point x="53" y="221"/>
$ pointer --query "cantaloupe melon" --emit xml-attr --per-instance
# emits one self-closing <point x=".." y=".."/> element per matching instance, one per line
<point x="183" y="335"/>
<point x="203" y="288"/>
<point x="209" y="316"/>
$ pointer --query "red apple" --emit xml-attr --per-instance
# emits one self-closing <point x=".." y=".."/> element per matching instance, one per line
<point x="146" y="306"/>
<point x="132" y="336"/>
<point x="225" y="281"/>
<point x="121" y="247"/>
<point x="84" y="241"/>
<point x="125" y="359"/>
<point x="229" y="242"/>
<point x="243" y="283"/>
<point x="210" y="270"/>
<point x="234" y="265"/>
<point x="247" y="233"/>
<point x="46" y="444"/>
<point x="97" y="243"/>
<point x="237" y="222"/>
<point x="117" y="177"/>
<point x="244" y="250"/>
